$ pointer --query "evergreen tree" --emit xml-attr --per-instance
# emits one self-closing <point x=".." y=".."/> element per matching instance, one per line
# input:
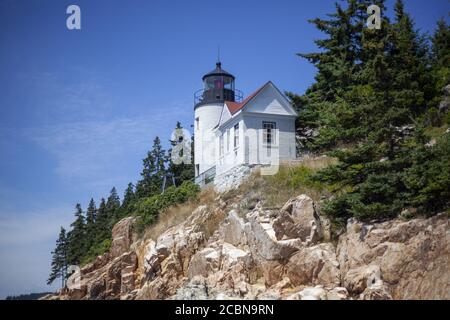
<point x="102" y="223"/>
<point x="91" y="216"/>
<point x="129" y="199"/>
<point x="153" y="172"/>
<point x="180" y="172"/>
<point x="76" y="238"/>
<point x="113" y="207"/>
<point x="336" y="63"/>
<point x="411" y="82"/>
<point x="59" y="259"/>
<point x="374" y="117"/>
<point x="441" y="59"/>
<point x="372" y="168"/>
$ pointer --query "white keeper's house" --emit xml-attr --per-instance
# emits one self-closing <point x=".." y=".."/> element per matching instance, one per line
<point x="231" y="132"/>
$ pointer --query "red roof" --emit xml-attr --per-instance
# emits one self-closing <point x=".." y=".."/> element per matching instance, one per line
<point x="234" y="107"/>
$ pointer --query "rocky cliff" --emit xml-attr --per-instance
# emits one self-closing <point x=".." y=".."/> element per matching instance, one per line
<point x="220" y="252"/>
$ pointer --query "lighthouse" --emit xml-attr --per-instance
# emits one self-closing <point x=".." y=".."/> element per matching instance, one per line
<point x="232" y="134"/>
<point x="218" y="87"/>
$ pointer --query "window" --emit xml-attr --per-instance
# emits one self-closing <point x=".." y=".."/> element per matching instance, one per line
<point x="269" y="133"/>
<point x="221" y="146"/>
<point x="197" y="123"/>
<point x="228" y="139"/>
<point x="236" y="136"/>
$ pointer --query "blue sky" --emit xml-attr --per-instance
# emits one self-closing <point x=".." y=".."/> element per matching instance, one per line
<point x="79" y="109"/>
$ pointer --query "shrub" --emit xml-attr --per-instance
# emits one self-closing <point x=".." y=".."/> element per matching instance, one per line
<point x="148" y="209"/>
<point x="428" y="180"/>
<point x="290" y="182"/>
<point x="418" y="177"/>
<point x="95" y="251"/>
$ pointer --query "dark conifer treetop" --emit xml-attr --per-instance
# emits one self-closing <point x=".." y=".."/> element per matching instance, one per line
<point x="375" y="93"/>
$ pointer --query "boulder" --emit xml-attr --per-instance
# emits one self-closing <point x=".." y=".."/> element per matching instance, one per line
<point x="197" y="289"/>
<point x="311" y="293"/>
<point x="358" y="279"/>
<point x="306" y="223"/>
<point x="413" y="257"/>
<point x="377" y="291"/>
<point x="152" y="260"/>
<point x="96" y="290"/>
<point x="121" y="237"/>
<point x="315" y="265"/>
<point x="338" y="293"/>
<point x="263" y="241"/>
<point x="204" y="262"/>
<point x="232" y="230"/>
<point x="232" y="256"/>
<point x="152" y="290"/>
<point x="123" y="265"/>
<point x="165" y="243"/>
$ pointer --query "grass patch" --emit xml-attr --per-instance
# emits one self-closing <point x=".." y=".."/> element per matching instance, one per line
<point x="293" y="178"/>
<point x="290" y="182"/>
<point x="436" y="132"/>
<point x="178" y="213"/>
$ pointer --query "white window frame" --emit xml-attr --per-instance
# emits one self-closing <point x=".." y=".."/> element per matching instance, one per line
<point x="269" y="130"/>
<point x="236" y="136"/>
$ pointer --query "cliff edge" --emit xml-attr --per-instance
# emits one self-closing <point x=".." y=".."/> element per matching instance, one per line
<point x="220" y="252"/>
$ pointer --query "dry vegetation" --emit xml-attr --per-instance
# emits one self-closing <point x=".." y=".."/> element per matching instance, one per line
<point x="174" y="215"/>
<point x="272" y="192"/>
<point x="292" y="179"/>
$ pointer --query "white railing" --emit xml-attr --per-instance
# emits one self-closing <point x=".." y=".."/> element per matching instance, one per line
<point x="206" y="177"/>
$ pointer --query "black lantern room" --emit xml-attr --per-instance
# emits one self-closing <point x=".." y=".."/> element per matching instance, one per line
<point x="218" y="86"/>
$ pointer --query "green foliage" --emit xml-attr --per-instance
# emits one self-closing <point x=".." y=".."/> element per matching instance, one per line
<point x="441" y="54"/>
<point x="91" y="216"/>
<point x="59" y="259"/>
<point x="181" y="172"/>
<point x="372" y="88"/>
<point x="113" y="208"/>
<point x="428" y="179"/>
<point x="96" y="250"/>
<point x="148" y="209"/>
<point x="447" y="118"/>
<point x="304" y="177"/>
<point x="129" y="198"/>
<point x="435" y="132"/>
<point x="76" y="238"/>
<point x="102" y="223"/>
<point x="287" y="183"/>
<point x="90" y="234"/>
<point x="153" y="172"/>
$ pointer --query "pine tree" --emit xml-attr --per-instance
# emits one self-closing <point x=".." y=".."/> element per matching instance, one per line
<point x="129" y="198"/>
<point x="91" y="216"/>
<point x="153" y="172"/>
<point x="336" y="65"/>
<point x="180" y="172"/>
<point x="375" y="118"/>
<point x="59" y="259"/>
<point x="440" y="59"/>
<point x="102" y="223"/>
<point x="76" y="238"/>
<point x="411" y="79"/>
<point x="113" y="208"/>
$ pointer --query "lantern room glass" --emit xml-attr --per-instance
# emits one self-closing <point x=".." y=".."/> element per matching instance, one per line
<point x="219" y="82"/>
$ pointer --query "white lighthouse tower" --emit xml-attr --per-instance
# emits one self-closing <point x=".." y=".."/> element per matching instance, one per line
<point x="232" y="135"/>
<point x="218" y="87"/>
